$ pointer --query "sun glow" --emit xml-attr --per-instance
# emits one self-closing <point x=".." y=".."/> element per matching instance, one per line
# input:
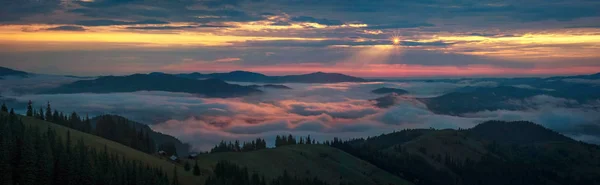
<point x="395" y="38"/>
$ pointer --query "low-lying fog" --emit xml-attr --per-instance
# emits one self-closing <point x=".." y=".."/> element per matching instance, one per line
<point x="322" y="111"/>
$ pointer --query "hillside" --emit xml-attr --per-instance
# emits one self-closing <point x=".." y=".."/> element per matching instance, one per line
<point x="387" y="90"/>
<point x="495" y="152"/>
<point x="156" y="82"/>
<point x="113" y="147"/>
<point x="159" y="138"/>
<point x="11" y="72"/>
<point x="478" y="99"/>
<point x="245" y="76"/>
<point x="306" y="161"/>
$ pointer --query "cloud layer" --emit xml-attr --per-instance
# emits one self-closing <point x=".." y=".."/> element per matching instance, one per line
<point x="323" y="111"/>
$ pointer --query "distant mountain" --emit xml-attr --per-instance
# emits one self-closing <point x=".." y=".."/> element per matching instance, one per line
<point x="386" y="101"/>
<point x="493" y="153"/>
<point x="11" y="72"/>
<point x="386" y="90"/>
<point x="272" y="86"/>
<point x="244" y="76"/>
<point x="479" y="99"/>
<point x="156" y="82"/>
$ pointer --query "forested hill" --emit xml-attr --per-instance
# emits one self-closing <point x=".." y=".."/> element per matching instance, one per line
<point x="245" y="76"/>
<point x="39" y="152"/>
<point x="156" y="82"/>
<point x="117" y="128"/>
<point x="495" y="152"/>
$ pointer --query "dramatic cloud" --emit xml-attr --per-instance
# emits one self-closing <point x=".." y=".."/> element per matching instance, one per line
<point x="67" y="28"/>
<point x="459" y="38"/>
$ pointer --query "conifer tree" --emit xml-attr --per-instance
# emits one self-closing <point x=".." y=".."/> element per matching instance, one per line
<point x="175" y="177"/>
<point x="41" y="114"/>
<point x="196" y="169"/>
<point x="48" y="112"/>
<point x="27" y="167"/>
<point x="186" y="167"/>
<point x="4" y="108"/>
<point x="29" y="109"/>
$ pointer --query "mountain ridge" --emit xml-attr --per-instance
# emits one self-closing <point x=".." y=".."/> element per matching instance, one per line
<point x="155" y="82"/>
<point x="246" y="76"/>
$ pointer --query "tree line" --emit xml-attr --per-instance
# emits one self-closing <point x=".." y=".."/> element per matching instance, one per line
<point x="226" y="173"/>
<point x="257" y="144"/>
<point x="30" y="156"/>
<point x="291" y="140"/>
<point x="106" y="126"/>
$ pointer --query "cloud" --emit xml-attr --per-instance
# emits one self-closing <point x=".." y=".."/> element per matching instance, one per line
<point x="323" y="111"/>
<point x="177" y="27"/>
<point x="402" y="24"/>
<point x="106" y="22"/>
<point x="327" y="22"/>
<point x="67" y="28"/>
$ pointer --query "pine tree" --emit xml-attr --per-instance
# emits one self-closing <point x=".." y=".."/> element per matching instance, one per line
<point x="41" y="114"/>
<point x="29" y="109"/>
<point x="187" y="167"/>
<point x="45" y="161"/>
<point x="6" y="142"/>
<point x="48" y="113"/>
<point x="308" y="140"/>
<point x="196" y="169"/>
<point x="278" y="141"/>
<point x="4" y="108"/>
<point x="175" y="177"/>
<point x="28" y="168"/>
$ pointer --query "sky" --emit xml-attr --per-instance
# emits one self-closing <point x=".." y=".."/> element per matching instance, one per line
<point x="367" y="38"/>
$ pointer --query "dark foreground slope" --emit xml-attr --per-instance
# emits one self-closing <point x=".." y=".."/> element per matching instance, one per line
<point x="98" y="144"/>
<point x="156" y="82"/>
<point x="306" y="161"/>
<point x="119" y="125"/>
<point x="492" y="153"/>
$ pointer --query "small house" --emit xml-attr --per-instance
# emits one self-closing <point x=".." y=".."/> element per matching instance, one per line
<point x="193" y="155"/>
<point x="162" y="152"/>
<point x="173" y="158"/>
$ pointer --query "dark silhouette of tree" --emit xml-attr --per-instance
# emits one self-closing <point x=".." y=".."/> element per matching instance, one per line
<point x="48" y="112"/>
<point x="196" y="169"/>
<point x="29" y="109"/>
<point x="175" y="177"/>
<point x="41" y="114"/>
<point x="186" y="166"/>
<point x="29" y="156"/>
<point x="4" y="108"/>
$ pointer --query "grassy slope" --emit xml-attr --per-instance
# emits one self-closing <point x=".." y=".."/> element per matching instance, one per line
<point x="185" y="178"/>
<point x="307" y="161"/>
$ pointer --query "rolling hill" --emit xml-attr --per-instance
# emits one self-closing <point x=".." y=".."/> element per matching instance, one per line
<point x="155" y="82"/>
<point x="113" y="147"/>
<point x="306" y="161"/>
<point x="387" y="90"/>
<point x="310" y="161"/>
<point x="11" y="72"/>
<point x="245" y="76"/>
<point x="494" y="152"/>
